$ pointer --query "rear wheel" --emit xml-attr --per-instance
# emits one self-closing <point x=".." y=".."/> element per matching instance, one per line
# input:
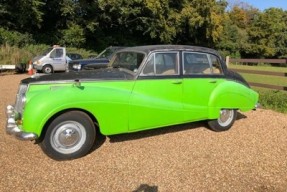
<point x="225" y="121"/>
<point x="69" y="136"/>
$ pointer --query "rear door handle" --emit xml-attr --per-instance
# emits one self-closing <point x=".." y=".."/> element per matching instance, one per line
<point x="213" y="81"/>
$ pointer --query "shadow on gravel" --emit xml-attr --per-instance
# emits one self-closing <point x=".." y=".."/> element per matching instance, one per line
<point x="240" y="116"/>
<point x="146" y="188"/>
<point x="155" y="132"/>
<point x="99" y="141"/>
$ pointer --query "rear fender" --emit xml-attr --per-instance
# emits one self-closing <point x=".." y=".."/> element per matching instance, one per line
<point x="231" y="95"/>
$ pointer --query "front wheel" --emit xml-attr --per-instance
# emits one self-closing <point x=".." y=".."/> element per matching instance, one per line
<point x="225" y="120"/>
<point x="47" y="69"/>
<point x="69" y="136"/>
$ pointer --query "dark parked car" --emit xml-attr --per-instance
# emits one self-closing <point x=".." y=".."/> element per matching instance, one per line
<point x="74" y="56"/>
<point x="101" y="61"/>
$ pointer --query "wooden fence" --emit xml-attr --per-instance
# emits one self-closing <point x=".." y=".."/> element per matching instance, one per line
<point x="269" y="73"/>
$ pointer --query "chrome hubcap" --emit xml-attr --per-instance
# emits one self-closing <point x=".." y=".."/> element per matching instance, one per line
<point x="48" y="70"/>
<point x="68" y="137"/>
<point x="226" y="117"/>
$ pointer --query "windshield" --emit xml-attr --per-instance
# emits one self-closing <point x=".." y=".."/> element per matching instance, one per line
<point x="127" y="60"/>
<point x="47" y="51"/>
<point x="105" y="53"/>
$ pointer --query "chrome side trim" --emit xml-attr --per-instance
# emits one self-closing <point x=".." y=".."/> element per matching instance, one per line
<point x="13" y="129"/>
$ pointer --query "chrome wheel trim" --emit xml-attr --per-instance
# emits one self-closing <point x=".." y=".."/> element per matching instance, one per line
<point x="68" y="137"/>
<point x="226" y="117"/>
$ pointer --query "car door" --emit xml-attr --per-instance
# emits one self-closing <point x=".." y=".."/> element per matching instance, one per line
<point x="156" y="98"/>
<point x="58" y="59"/>
<point x="202" y="72"/>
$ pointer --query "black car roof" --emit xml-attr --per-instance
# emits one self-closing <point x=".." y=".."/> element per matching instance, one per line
<point x="149" y="48"/>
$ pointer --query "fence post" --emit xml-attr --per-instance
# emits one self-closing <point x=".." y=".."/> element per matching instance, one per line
<point x="227" y="60"/>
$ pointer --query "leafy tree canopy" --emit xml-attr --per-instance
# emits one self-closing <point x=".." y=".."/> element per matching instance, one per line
<point x="233" y="27"/>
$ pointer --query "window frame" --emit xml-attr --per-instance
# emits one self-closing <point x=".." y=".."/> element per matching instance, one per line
<point x="209" y="59"/>
<point x="152" y="55"/>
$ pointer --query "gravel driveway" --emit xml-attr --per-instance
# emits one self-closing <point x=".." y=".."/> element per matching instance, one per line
<point x="252" y="156"/>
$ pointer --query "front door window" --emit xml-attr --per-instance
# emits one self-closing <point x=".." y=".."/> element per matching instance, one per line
<point x="162" y="63"/>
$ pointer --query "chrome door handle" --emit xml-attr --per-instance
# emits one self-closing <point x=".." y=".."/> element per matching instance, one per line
<point x="177" y="82"/>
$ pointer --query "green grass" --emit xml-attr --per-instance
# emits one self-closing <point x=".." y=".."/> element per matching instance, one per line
<point x="273" y="99"/>
<point x="265" y="79"/>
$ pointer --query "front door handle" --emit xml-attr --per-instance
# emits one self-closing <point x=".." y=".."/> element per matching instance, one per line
<point x="213" y="81"/>
<point x="177" y="82"/>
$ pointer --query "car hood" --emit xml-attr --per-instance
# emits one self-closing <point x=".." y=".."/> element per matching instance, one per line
<point x="88" y="61"/>
<point x="99" y="74"/>
<point x="37" y="58"/>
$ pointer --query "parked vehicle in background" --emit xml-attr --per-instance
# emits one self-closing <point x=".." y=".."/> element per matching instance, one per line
<point x="54" y="59"/>
<point x="143" y="87"/>
<point x="51" y="60"/>
<point x="101" y="61"/>
<point x="74" y="56"/>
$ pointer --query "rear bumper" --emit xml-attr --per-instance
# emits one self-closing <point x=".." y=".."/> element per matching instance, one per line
<point x="257" y="105"/>
<point x="13" y="129"/>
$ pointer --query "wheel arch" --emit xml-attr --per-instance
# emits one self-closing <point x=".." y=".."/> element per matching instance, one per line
<point x="48" y="122"/>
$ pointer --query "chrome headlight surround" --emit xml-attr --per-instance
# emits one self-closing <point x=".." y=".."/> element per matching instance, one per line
<point x="21" y="98"/>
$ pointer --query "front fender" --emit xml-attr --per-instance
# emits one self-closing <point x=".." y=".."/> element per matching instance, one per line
<point x="42" y="105"/>
<point x="231" y="95"/>
<point x="101" y="102"/>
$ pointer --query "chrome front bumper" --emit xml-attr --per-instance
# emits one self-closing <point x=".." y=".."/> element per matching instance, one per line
<point x="13" y="129"/>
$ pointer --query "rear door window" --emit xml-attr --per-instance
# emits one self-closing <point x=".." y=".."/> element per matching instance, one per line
<point x="201" y="63"/>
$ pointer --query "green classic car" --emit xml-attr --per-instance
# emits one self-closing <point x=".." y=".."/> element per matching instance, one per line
<point x="144" y="87"/>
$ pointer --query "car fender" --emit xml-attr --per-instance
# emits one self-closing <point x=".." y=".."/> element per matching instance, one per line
<point x="47" y="64"/>
<point x="231" y="95"/>
<point x="41" y="107"/>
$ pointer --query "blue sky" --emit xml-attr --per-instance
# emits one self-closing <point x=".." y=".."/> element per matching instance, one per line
<point x="265" y="4"/>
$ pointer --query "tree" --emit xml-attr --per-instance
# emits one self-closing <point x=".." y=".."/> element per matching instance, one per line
<point x="200" y="22"/>
<point x="235" y="40"/>
<point x="73" y="36"/>
<point x="22" y="15"/>
<point x="268" y="34"/>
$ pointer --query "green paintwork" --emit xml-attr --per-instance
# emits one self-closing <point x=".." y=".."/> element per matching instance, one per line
<point x="133" y="105"/>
